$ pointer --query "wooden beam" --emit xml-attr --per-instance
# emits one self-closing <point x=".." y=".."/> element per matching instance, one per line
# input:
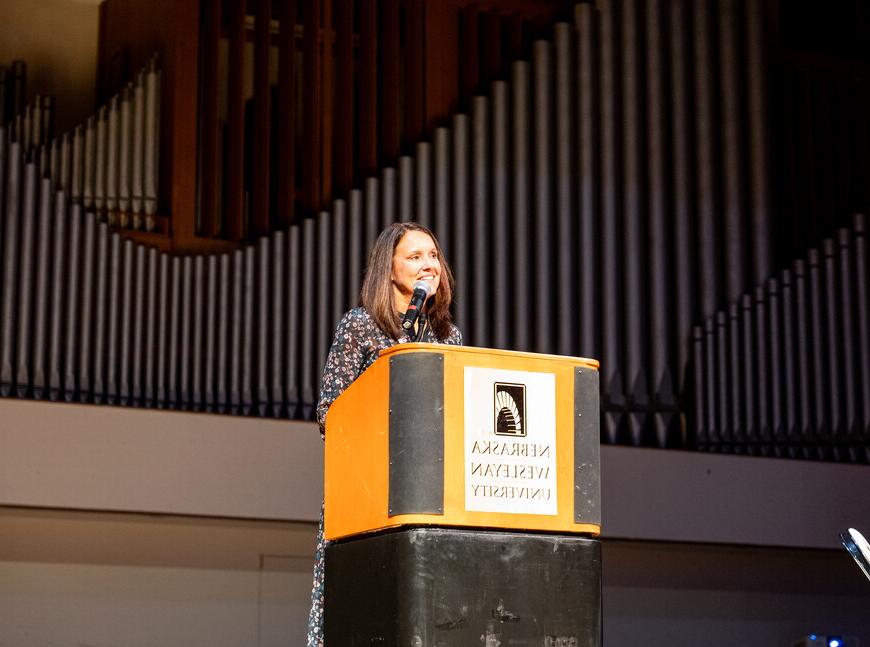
<point x="441" y="63"/>
<point x="285" y="193"/>
<point x="368" y="88"/>
<point x="209" y="150"/>
<point x="391" y="81"/>
<point x="414" y="125"/>
<point x="179" y="112"/>
<point x="516" y="43"/>
<point x="469" y="56"/>
<point x="493" y="66"/>
<point x="260" y="224"/>
<point x="327" y="83"/>
<point x="234" y="170"/>
<point x="344" y="98"/>
<point x="312" y="108"/>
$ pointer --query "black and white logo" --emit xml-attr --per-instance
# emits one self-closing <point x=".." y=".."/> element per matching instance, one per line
<point x="510" y="409"/>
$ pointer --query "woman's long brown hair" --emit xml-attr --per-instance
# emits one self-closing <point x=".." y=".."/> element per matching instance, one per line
<point x="376" y="295"/>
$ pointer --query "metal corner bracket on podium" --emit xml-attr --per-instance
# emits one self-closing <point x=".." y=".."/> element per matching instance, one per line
<point x="462" y="501"/>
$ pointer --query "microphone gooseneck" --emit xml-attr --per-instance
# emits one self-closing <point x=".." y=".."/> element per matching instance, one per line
<point x="418" y="298"/>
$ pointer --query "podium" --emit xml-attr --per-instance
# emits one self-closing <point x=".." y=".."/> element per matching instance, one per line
<point x="462" y="501"/>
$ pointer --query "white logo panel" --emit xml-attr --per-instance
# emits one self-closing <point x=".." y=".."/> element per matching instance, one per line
<point x="510" y="441"/>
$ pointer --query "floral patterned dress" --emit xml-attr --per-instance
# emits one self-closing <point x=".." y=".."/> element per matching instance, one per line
<point x="356" y="345"/>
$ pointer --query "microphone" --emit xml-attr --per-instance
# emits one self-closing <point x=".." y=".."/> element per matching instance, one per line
<point x="418" y="298"/>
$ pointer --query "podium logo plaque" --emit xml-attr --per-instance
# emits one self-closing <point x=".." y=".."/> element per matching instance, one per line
<point x="510" y="464"/>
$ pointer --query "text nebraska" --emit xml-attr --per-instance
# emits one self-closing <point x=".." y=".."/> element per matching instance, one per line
<point x="493" y="448"/>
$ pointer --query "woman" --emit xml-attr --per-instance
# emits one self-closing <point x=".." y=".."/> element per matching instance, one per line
<point x="403" y="254"/>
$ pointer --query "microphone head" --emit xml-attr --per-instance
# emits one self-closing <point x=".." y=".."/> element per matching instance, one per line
<point x="425" y="286"/>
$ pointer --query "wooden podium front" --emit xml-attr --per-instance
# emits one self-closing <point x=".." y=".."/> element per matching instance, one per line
<point x="396" y="448"/>
<point x="446" y="466"/>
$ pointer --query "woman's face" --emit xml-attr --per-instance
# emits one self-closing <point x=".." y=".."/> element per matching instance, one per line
<point x="414" y="259"/>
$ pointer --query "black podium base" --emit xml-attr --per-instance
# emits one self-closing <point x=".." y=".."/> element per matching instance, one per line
<point x="437" y="587"/>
